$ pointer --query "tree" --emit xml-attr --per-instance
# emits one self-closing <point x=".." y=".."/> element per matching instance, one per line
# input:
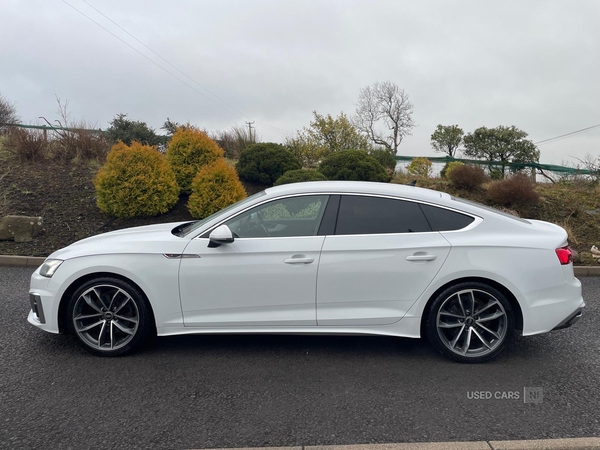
<point x="447" y="139"/>
<point x="384" y="105"/>
<point x="126" y="130"/>
<point x="170" y="127"/>
<point x="8" y="112"/>
<point x="324" y="136"/>
<point x="504" y="144"/>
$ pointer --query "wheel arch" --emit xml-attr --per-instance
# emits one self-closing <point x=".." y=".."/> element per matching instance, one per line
<point x="64" y="300"/>
<point x="514" y="303"/>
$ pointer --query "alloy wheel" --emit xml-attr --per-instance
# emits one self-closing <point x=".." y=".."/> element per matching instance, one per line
<point x="105" y="317"/>
<point x="472" y="323"/>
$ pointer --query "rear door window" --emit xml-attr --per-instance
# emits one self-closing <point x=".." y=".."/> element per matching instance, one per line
<point x="378" y="215"/>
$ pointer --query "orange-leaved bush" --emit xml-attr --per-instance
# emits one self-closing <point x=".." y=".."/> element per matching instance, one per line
<point x="189" y="150"/>
<point x="136" y="181"/>
<point x="215" y="186"/>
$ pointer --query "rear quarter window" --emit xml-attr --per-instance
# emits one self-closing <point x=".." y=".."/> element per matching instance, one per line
<point x="442" y="219"/>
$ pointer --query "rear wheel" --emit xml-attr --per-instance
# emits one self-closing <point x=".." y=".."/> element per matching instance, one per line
<point x="109" y="317"/>
<point x="470" y="322"/>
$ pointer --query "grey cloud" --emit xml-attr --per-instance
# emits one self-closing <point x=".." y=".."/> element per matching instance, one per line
<point x="531" y="64"/>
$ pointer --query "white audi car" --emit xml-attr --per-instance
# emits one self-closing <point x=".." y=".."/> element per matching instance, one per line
<point x="318" y="258"/>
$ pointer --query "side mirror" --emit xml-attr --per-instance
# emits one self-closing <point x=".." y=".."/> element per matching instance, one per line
<point x="220" y="235"/>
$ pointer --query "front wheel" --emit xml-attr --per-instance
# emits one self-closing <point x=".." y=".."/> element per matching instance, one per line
<point x="470" y="322"/>
<point x="109" y="316"/>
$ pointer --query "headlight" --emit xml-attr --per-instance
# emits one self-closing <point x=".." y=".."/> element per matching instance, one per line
<point x="49" y="267"/>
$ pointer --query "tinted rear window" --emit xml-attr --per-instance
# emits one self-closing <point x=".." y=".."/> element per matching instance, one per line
<point x="445" y="220"/>
<point x="377" y="215"/>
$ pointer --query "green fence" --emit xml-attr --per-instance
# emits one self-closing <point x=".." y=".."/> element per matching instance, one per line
<point x="46" y="128"/>
<point x="540" y="169"/>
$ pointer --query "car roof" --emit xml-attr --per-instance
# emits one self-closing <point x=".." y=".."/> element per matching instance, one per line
<point x="358" y="187"/>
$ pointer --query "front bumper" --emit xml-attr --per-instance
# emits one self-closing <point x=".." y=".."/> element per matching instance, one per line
<point x="44" y="303"/>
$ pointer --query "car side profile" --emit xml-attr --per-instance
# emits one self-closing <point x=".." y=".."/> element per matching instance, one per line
<point x="318" y="258"/>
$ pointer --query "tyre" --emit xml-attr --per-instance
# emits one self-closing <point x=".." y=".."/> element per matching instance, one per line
<point x="470" y="322"/>
<point x="109" y="317"/>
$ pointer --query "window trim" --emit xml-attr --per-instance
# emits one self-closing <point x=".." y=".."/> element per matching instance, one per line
<point x="476" y="219"/>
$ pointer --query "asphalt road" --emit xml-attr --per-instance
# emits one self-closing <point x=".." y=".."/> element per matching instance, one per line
<point x="200" y="392"/>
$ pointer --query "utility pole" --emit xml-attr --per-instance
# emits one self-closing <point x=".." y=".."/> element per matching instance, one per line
<point x="250" y="130"/>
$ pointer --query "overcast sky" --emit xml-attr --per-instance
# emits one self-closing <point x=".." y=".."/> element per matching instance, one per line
<point x="532" y="64"/>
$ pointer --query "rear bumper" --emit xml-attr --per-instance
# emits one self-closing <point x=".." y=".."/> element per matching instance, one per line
<point x="570" y="320"/>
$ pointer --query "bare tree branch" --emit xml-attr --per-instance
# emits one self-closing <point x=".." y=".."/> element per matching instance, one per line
<point x="384" y="106"/>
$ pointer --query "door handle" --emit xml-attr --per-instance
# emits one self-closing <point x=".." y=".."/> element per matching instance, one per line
<point x="425" y="257"/>
<point x="298" y="260"/>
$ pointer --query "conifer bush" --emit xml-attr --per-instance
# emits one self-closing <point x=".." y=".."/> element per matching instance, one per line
<point x="215" y="187"/>
<point x="264" y="163"/>
<point x="136" y="181"/>
<point x="385" y="158"/>
<point x="353" y="165"/>
<point x="189" y="150"/>
<point x="300" y="175"/>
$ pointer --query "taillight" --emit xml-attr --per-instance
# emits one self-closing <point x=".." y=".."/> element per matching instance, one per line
<point x="565" y="255"/>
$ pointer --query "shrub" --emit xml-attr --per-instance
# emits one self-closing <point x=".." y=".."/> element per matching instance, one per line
<point x="517" y="191"/>
<point x="189" y="150"/>
<point x="215" y="186"/>
<point x="466" y="176"/>
<point x="264" y="163"/>
<point x="234" y="140"/>
<point x="136" y="181"/>
<point x="353" y="165"/>
<point x="300" y="175"/>
<point x="385" y="158"/>
<point x="128" y="131"/>
<point x="448" y="167"/>
<point x="496" y="174"/>
<point x="78" y="146"/>
<point x="420" y="167"/>
<point x="28" y="145"/>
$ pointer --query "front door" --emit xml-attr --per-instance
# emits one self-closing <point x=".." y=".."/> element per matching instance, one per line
<point x="266" y="277"/>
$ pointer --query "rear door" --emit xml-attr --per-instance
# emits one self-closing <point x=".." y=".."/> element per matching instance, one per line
<point x="379" y="261"/>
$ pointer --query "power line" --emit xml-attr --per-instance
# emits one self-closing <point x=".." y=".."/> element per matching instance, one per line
<point x="567" y="134"/>
<point x="149" y="59"/>
<point x="231" y="109"/>
<point x="164" y="59"/>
